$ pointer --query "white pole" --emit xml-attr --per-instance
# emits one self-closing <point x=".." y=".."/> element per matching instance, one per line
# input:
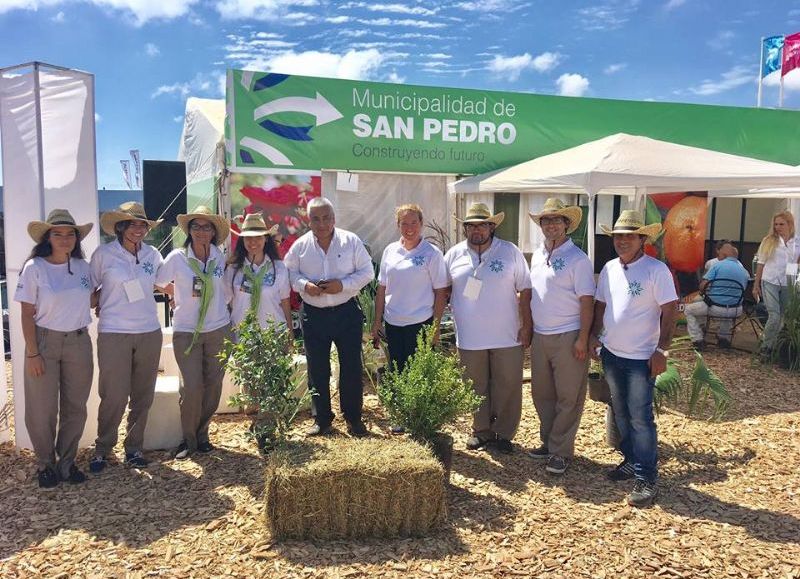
<point x="590" y="227"/>
<point x="760" y="71"/>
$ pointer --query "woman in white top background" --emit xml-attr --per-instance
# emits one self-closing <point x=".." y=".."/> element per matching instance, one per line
<point x="55" y="291"/>
<point x="256" y="278"/>
<point x="778" y="249"/>
<point x="201" y="322"/>
<point x="128" y="333"/>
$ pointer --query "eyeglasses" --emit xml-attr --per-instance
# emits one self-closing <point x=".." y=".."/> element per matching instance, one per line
<point x="206" y="228"/>
<point x="550" y="220"/>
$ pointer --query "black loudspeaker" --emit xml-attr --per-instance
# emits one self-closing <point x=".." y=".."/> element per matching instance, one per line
<point x="164" y="189"/>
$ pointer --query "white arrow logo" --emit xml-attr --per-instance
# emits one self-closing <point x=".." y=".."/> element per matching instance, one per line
<point x="319" y="107"/>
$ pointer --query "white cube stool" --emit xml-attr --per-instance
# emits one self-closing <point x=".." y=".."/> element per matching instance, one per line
<point x="163" y="429"/>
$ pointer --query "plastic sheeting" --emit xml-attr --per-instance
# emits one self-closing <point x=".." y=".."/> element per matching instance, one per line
<point x="203" y="131"/>
<point x="48" y="137"/>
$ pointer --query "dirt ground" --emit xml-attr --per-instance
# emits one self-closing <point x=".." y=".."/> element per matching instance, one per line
<point x="730" y="507"/>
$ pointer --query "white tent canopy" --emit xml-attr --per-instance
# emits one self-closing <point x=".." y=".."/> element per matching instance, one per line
<point x="624" y="164"/>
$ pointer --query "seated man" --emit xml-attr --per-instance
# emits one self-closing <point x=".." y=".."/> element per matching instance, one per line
<point x="724" y="298"/>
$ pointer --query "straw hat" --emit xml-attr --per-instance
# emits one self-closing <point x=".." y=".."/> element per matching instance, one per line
<point x="479" y="213"/>
<point x="630" y="221"/>
<point x="203" y="212"/>
<point x="128" y="211"/>
<point x="556" y="208"/>
<point x="253" y="225"/>
<point x="37" y="229"/>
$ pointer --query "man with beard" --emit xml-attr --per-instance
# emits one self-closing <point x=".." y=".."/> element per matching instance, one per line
<point x="490" y="296"/>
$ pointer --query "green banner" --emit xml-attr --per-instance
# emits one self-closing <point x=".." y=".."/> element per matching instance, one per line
<point x="297" y="123"/>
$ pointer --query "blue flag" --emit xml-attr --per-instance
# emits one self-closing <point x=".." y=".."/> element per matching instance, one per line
<point x="771" y="50"/>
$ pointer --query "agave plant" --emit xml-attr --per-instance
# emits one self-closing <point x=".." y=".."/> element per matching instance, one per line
<point x="787" y="344"/>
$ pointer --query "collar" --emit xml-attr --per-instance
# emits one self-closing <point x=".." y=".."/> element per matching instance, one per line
<point x="563" y="247"/>
<point x="213" y="252"/>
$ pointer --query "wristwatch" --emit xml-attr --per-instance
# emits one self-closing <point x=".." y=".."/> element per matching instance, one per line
<point x="663" y="352"/>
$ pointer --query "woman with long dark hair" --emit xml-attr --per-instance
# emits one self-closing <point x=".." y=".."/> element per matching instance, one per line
<point x="55" y="292"/>
<point x="256" y="279"/>
<point x="201" y="322"/>
<point x="128" y="333"/>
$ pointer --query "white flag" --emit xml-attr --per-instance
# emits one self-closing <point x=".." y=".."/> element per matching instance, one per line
<point x="126" y="171"/>
<point x="137" y="168"/>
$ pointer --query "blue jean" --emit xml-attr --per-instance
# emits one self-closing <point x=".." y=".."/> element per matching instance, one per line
<point x="632" y="400"/>
<point x="776" y="299"/>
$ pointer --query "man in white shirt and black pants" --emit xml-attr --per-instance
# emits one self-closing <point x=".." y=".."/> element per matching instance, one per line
<point x="491" y="300"/>
<point x="328" y="267"/>
<point x="635" y="308"/>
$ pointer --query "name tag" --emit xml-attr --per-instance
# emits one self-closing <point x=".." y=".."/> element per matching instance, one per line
<point x="246" y="286"/>
<point x="473" y="288"/>
<point x="133" y="289"/>
<point x="197" y="287"/>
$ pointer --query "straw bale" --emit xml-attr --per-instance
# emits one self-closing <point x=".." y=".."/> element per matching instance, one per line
<point x="348" y="488"/>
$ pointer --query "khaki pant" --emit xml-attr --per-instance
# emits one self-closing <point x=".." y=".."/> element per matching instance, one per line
<point x="558" y="387"/>
<point x="128" y="371"/>
<point x="497" y="375"/>
<point x="55" y="403"/>
<point x="201" y="381"/>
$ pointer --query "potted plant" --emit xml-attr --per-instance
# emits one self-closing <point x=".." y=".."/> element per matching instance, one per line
<point x="429" y="394"/>
<point x="262" y="366"/>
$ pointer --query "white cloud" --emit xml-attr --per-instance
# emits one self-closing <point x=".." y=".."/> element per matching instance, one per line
<point x="440" y="56"/>
<point x="572" y="85"/>
<point x="178" y="119"/>
<point x="608" y="15"/>
<point x="673" y="4"/>
<point x="141" y="10"/>
<point x="490" y="6"/>
<point x="200" y="85"/>
<point x="401" y="22"/>
<point x="338" y="19"/>
<point x="546" y="61"/>
<point x="60" y="17"/>
<point x="791" y="82"/>
<point x="395" y="78"/>
<point x="353" y="64"/>
<point x="9" y="5"/>
<point x="151" y="50"/>
<point x="97" y="118"/>
<point x="721" y="40"/>
<point x="510" y="67"/>
<point x="615" y="68"/>
<point x="260" y="9"/>
<point x="393" y="8"/>
<point x="733" y="78"/>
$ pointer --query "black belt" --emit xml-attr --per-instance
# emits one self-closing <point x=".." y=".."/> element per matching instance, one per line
<point x="329" y="308"/>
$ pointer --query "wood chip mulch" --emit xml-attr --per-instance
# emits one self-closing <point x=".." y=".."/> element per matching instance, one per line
<point x="729" y="506"/>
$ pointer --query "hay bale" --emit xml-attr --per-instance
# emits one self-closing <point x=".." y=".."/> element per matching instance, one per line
<point x="346" y="488"/>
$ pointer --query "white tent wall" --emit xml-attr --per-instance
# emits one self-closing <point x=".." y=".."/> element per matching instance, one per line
<point x="48" y="134"/>
<point x="369" y="212"/>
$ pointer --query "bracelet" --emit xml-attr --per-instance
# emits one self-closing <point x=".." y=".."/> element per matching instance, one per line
<point x="34" y="356"/>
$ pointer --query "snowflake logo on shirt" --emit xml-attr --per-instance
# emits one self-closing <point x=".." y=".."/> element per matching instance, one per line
<point x="148" y="268"/>
<point x="496" y="265"/>
<point x="634" y="288"/>
<point x="85" y="281"/>
<point x="418" y="260"/>
<point x="269" y="279"/>
<point x="558" y="264"/>
<point x="218" y="271"/>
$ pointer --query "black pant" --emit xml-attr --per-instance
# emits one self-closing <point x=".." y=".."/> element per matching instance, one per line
<point x="343" y="326"/>
<point x="402" y="342"/>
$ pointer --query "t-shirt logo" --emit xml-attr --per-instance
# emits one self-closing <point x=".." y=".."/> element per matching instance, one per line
<point x="558" y="264"/>
<point x="218" y="271"/>
<point x="496" y="265"/>
<point x="269" y="278"/>
<point x="634" y="288"/>
<point x="148" y="268"/>
<point x="85" y="281"/>
<point x="418" y="260"/>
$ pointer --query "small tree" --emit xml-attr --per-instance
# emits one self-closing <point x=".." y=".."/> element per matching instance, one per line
<point x="260" y="362"/>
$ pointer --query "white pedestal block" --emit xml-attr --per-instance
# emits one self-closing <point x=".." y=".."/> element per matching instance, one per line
<point x="167" y="365"/>
<point x="163" y="429"/>
<point x="228" y="390"/>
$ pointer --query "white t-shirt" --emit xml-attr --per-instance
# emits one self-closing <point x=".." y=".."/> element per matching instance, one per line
<point x="786" y="252"/>
<point x="62" y="300"/>
<point x="410" y="278"/>
<point x="187" y="301"/>
<point x="491" y="320"/>
<point x="633" y="298"/>
<point x="557" y="288"/>
<point x="127" y="305"/>
<point x="274" y="289"/>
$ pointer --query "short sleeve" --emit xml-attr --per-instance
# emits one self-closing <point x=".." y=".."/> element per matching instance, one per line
<point x="227" y="282"/>
<point x="166" y="273"/>
<point x="28" y="284"/>
<point x="584" y="278"/>
<point x="664" y="286"/>
<point x="438" y="270"/>
<point x="96" y="268"/>
<point x="601" y="295"/>
<point x="382" y="273"/>
<point x="711" y="274"/>
<point x="284" y="287"/>
<point x="522" y="274"/>
<point x="448" y="262"/>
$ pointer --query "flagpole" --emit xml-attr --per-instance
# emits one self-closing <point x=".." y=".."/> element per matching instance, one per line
<point x="760" y="72"/>
<point x="780" y="94"/>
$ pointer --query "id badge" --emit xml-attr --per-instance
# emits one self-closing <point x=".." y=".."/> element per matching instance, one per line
<point x="473" y="288"/>
<point x="133" y="289"/>
<point x="197" y="287"/>
<point x="246" y="286"/>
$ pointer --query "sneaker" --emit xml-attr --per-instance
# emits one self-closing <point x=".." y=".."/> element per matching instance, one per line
<point x="699" y="345"/>
<point x="504" y="445"/>
<point x="623" y="471"/>
<point x="556" y="464"/>
<point x="47" y="479"/>
<point x="97" y="464"/>
<point x="643" y="493"/>
<point x="397" y="429"/>
<point x="205" y="447"/>
<point x="723" y="343"/>
<point x="136" y="459"/>
<point x="357" y="429"/>
<point x="182" y="452"/>
<point x="540" y="453"/>
<point x="476" y="442"/>
<point x="75" y="476"/>
<point x="319" y="430"/>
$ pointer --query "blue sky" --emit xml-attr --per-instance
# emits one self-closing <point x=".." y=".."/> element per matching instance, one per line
<point x="149" y="55"/>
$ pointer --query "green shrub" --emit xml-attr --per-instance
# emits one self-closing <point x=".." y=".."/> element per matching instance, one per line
<point x="787" y="344"/>
<point x="430" y="392"/>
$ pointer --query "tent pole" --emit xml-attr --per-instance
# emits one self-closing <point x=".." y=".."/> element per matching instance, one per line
<point x="590" y="226"/>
